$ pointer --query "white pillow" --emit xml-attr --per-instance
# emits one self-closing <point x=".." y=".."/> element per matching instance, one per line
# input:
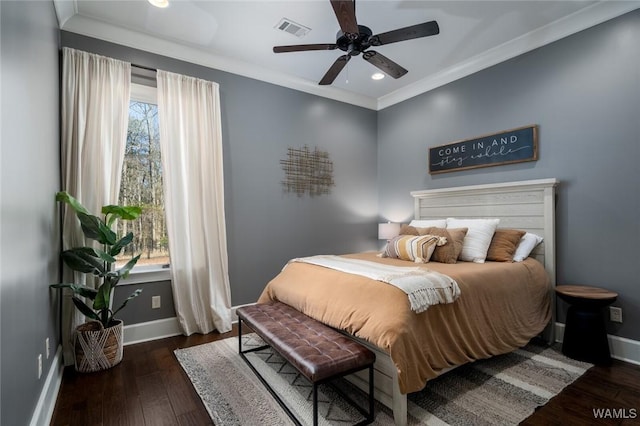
<point x="526" y="245"/>
<point x="476" y="242"/>
<point x="436" y="223"/>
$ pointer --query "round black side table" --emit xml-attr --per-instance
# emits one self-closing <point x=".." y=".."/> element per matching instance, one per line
<point x="585" y="336"/>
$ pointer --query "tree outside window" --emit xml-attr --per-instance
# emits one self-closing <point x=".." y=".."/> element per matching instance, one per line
<point x="141" y="185"/>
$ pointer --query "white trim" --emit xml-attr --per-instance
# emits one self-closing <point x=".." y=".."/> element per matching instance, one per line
<point x="104" y="31"/>
<point x="519" y="185"/>
<point x="151" y="330"/>
<point x="622" y="349"/>
<point x="142" y="276"/>
<point x="160" y="329"/>
<point x="587" y="17"/>
<point x="234" y="314"/>
<point x="65" y="9"/>
<point x="43" y="412"/>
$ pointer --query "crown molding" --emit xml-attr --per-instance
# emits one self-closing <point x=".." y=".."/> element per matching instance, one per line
<point x="578" y="21"/>
<point x="65" y="9"/>
<point x="101" y="30"/>
<point x="597" y="13"/>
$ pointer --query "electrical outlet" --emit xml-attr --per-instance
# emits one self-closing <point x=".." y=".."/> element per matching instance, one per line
<point x="155" y="302"/>
<point x="615" y="314"/>
<point x="39" y="366"/>
<point x="47" y="348"/>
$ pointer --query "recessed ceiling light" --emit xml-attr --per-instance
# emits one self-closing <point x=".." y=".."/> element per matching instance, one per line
<point x="159" y="3"/>
<point x="377" y="76"/>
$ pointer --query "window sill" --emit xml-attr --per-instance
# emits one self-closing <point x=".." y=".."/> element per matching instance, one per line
<point x="147" y="274"/>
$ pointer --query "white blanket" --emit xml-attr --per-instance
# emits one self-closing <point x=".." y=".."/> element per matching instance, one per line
<point x="423" y="286"/>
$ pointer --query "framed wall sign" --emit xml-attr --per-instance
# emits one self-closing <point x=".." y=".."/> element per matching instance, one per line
<point x="506" y="147"/>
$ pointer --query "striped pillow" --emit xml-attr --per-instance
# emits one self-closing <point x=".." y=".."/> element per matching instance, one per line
<point x="416" y="249"/>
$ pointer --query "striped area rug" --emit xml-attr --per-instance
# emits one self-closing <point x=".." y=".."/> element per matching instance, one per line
<point x="503" y="390"/>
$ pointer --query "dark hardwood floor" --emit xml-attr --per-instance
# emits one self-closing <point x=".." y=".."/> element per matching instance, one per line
<point x="150" y="388"/>
<point x="147" y="388"/>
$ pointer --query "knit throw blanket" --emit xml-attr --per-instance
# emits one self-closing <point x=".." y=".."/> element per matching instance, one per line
<point x="423" y="286"/>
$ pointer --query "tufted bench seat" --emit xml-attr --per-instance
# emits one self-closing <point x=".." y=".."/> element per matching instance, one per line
<point x="318" y="352"/>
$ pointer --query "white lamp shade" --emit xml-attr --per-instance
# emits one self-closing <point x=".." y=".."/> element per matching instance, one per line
<point x="387" y="231"/>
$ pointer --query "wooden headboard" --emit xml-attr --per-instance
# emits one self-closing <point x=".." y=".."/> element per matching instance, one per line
<point x="527" y="205"/>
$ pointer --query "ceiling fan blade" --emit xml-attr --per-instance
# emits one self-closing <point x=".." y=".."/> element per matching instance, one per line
<point x="304" y="47"/>
<point x="385" y="64"/>
<point x="345" y="11"/>
<point x="334" y="70"/>
<point x="407" y="33"/>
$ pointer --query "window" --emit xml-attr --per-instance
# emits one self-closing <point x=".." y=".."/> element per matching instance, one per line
<point x="141" y="183"/>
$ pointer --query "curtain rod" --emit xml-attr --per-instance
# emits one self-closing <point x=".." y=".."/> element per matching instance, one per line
<point x="144" y="68"/>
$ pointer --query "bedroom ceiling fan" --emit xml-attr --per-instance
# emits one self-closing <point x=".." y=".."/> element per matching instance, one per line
<point x="355" y="39"/>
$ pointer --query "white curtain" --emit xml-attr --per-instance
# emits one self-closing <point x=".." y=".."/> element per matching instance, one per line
<point x="191" y="147"/>
<point x="95" y="116"/>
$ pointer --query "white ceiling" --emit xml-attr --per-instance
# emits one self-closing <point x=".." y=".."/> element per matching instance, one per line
<point x="238" y="36"/>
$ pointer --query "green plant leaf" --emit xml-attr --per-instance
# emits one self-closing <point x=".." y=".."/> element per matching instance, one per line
<point x="121" y="243"/>
<point x="95" y="229"/>
<point x="122" y="212"/>
<point x="82" y="290"/>
<point x="64" y="197"/>
<point x="103" y="297"/>
<point x="132" y="296"/>
<point x="86" y="311"/>
<point x="90" y="225"/>
<point x="105" y="256"/>
<point x="124" y="271"/>
<point x="113" y="276"/>
<point x="83" y="259"/>
<point x="96" y="261"/>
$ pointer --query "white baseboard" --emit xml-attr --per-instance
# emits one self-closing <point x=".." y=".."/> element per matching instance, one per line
<point x="623" y="349"/>
<point x="151" y="330"/>
<point x="159" y="329"/>
<point x="43" y="412"/>
<point x="234" y="315"/>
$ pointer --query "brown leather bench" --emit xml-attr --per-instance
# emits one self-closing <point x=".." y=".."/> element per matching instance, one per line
<point x="317" y="351"/>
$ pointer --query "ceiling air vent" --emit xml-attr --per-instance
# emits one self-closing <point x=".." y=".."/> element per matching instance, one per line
<point x="291" y="27"/>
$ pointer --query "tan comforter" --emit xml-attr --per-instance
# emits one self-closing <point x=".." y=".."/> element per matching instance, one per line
<point x="501" y="307"/>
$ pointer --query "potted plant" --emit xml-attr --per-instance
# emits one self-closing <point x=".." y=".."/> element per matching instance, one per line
<point x="98" y="342"/>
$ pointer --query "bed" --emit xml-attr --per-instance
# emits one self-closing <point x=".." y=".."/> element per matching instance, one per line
<point x="487" y="319"/>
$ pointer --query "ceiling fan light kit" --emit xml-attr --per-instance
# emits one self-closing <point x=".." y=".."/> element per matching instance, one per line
<point x="159" y="3"/>
<point x="354" y="39"/>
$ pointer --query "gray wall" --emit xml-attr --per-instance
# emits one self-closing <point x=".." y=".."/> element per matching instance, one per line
<point x="29" y="241"/>
<point x="139" y="309"/>
<point x="265" y="226"/>
<point x="584" y="93"/>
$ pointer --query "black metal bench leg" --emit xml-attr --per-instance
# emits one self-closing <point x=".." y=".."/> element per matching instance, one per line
<point x="239" y="335"/>
<point x="371" y="399"/>
<point x="315" y="404"/>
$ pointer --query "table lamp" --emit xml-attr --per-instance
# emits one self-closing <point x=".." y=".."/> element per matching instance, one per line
<point x="387" y="231"/>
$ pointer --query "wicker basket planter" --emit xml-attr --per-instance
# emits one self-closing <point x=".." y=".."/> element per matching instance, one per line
<point x="97" y="348"/>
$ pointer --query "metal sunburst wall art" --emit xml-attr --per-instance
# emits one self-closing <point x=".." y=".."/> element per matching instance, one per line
<point x="307" y="172"/>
